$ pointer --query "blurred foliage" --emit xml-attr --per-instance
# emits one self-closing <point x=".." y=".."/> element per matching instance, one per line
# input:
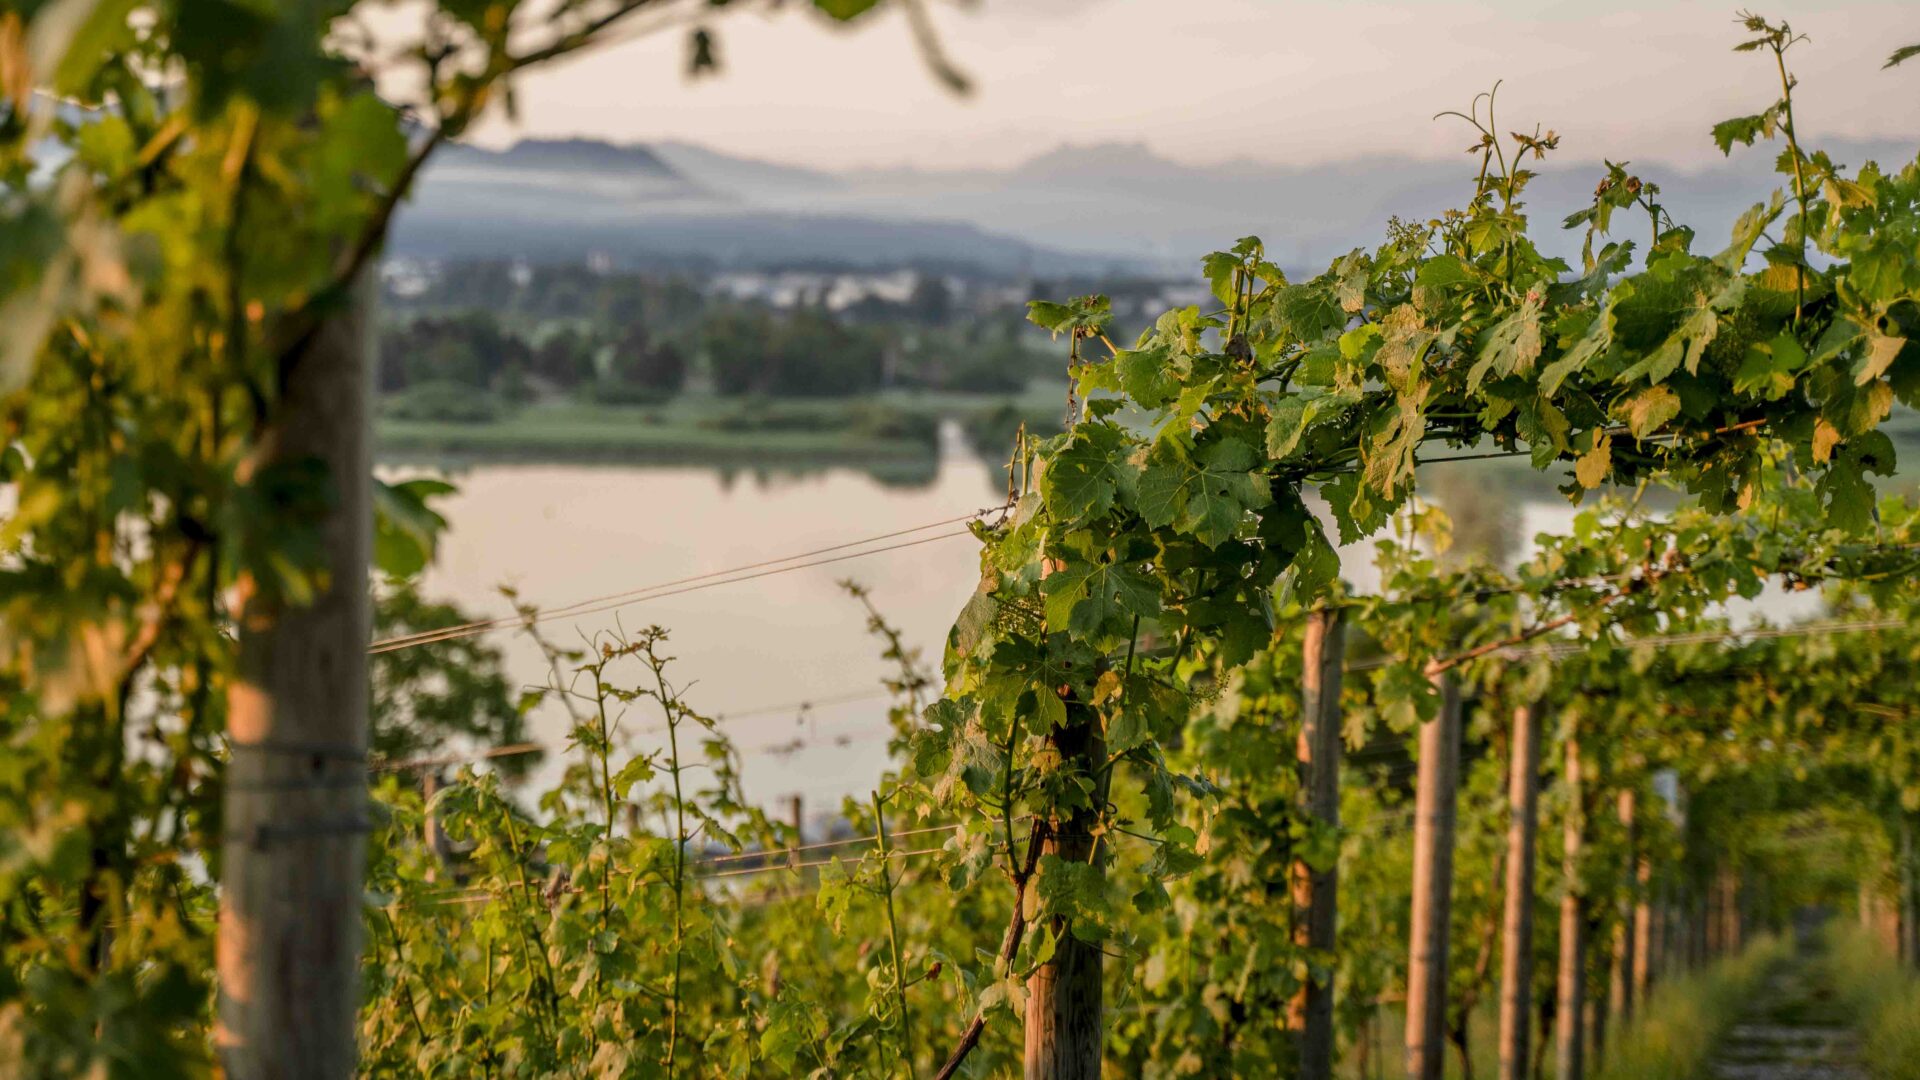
<point x="189" y="191"/>
<point x="443" y="696"/>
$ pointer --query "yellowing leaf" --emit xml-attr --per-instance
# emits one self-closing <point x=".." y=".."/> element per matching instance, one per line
<point x="1825" y="438"/>
<point x="1847" y="194"/>
<point x="1512" y="346"/>
<point x="1593" y="465"/>
<point x="1649" y="409"/>
<point x="1880" y="354"/>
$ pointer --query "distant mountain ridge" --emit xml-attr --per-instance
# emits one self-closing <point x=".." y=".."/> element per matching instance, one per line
<point x="564" y="153"/>
<point x="741" y="176"/>
<point x="1105" y="206"/>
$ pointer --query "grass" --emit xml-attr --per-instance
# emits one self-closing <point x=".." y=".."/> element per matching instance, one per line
<point x="1883" y="997"/>
<point x="1673" y="1034"/>
<point x="1387" y="1046"/>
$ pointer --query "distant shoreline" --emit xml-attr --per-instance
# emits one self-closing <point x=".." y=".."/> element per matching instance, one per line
<point x="894" y="436"/>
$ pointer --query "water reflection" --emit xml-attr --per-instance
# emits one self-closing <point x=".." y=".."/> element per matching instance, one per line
<point x="904" y="471"/>
<point x="757" y="650"/>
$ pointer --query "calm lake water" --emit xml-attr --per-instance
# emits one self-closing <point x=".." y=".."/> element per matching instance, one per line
<point x="756" y="652"/>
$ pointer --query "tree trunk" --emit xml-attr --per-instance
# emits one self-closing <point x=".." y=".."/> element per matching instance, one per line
<point x="1516" y="949"/>
<point x="293" y="854"/>
<point x="1315" y="892"/>
<point x="1064" y="1022"/>
<point x="1571" y="992"/>
<point x="1435" y="799"/>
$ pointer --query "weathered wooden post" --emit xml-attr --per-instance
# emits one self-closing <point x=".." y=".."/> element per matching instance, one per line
<point x="1065" y="1026"/>
<point x="1645" y="928"/>
<point x="1516" y="949"/>
<point x="1315" y="892"/>
<point x="1571" y="991"/>
<point x="293" y="853"/>
<point x="1435" y="798"/>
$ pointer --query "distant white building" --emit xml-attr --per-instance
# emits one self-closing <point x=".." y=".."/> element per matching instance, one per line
<point x="407" y="278"/>
<point x="794" y="288"/>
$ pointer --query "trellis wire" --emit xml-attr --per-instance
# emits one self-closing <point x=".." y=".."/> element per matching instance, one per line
<point x="1369" y="664"/>
<point x="694" y="583"/>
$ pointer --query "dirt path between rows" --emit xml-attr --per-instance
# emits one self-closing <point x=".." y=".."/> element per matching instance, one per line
<point x="1794" y="1028"/>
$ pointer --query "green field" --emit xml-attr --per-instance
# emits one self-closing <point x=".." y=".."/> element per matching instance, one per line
<point x="881" y="432"/>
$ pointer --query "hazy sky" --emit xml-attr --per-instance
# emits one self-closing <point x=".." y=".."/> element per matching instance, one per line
<point x="1208" y="80"/>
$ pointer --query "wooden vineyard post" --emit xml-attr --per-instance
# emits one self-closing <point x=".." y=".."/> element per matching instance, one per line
<point x="1436" y="794"/>
<point x="1064" y="1033"/>
<point x="293" y="852"/>
<point x="1315" y="892"/>
<point x="1644" y="927"/>
<point x="1571" y="989"/>
<point x="1516" y="951"/>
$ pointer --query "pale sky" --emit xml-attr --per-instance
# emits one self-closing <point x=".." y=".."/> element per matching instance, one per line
<point x="1207" y="80"/>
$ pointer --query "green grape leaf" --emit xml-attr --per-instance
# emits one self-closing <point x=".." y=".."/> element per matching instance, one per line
<point x="1147" y="375"/>
<point x="1097" y="599"/>
<point x="406" y="531"/>
<point x="1206" y="491"/>
<point x="1080" y="481"/>
<point x="1768" y="369"/>
<point x="1443" y="270"/>
<point x="1744" y="130"/>
<point x="1291" y="415"/>
<point x="1512" y="346"/>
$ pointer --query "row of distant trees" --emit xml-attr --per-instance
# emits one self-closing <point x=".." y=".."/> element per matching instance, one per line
<point x="467" y="353"/>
